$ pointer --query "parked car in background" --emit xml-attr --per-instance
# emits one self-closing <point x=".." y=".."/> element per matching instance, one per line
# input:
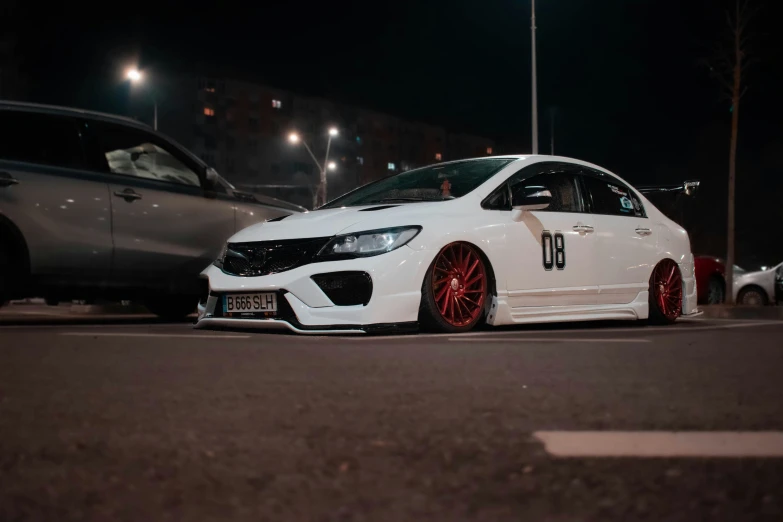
<point x="710" y="279"/>
<point x="99" y="206"/>
<point x="756" y="288"/>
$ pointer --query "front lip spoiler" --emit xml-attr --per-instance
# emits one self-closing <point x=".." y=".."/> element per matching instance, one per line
<point x="270" y="324"/>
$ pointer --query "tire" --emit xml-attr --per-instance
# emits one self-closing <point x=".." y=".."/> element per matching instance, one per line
<point x="172" y="307"/>
<point x="752" y="296"/>
<point x="665" y="301"/>
<point x="716" y="290"/>
<point x="455" y="290"/>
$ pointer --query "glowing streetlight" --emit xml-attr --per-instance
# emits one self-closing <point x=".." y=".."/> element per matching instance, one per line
<point x="320" y="196"/>
<point x="134" y="75"/>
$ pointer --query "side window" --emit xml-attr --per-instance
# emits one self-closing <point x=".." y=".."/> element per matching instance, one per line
<point x="562" y="185"/>
<point x="135" y="153"/>
<point x="40" y="138"/>
<point x="611" y="197"/>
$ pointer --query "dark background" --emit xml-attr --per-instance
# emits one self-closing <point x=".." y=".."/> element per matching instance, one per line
<point x="625" y="77"/>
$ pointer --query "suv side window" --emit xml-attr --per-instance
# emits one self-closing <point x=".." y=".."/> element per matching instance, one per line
<point x="43" y="139"/>
<point x="133" y="152"/>
<point x="609" y="196"/>
<point x="559" y="178"/>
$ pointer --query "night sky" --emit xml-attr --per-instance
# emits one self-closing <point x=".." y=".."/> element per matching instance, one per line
<point x="624" y="76"/>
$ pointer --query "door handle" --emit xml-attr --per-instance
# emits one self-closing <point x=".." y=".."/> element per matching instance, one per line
<point x="128" y="195"/>
<point x="643" y="231"/>
<point x="581" y="228"/>
<point x="6" y="180"/>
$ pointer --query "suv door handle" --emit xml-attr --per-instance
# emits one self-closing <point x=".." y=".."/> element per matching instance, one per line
<point x="643" y="231"/>
<point x="6" y="180"/>
<point x="128" y="195"/>
<point x="582" y="228"/>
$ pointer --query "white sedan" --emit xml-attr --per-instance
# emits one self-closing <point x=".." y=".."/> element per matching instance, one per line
<point x="498" y="240"/>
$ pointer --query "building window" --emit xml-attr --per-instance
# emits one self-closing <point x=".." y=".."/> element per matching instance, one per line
<point x="209" y="111"/>
<point x="438" y="156"/>
<point x="391" y="166"/>
<point x="359" y="160"/>
<point x="358" y="140"/>
<point x="277" y="104"/>
<point x="489" y="150"/>
<point x="210" y="89"/>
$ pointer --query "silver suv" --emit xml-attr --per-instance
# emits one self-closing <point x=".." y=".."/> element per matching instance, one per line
<point x="99" y="206"/>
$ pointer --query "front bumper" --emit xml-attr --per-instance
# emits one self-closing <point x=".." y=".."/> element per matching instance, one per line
<point x="304" y="308"/>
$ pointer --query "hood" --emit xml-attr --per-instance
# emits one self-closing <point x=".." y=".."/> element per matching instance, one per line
<point x="330" y="222"/>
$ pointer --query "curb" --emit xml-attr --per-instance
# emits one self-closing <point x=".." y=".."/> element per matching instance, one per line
<point x="108" y="309"/>
<point x="743" y="312"/>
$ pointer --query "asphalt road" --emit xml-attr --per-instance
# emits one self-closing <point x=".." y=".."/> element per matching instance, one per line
<point x="157" y="422"/>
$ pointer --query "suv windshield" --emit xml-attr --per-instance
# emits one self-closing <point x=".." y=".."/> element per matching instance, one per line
<point x="435" y="183"/>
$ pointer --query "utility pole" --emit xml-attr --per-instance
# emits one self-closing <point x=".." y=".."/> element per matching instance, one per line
<point x="533" y="75"/>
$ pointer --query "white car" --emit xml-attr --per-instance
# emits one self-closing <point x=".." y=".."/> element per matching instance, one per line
<point x="757" y="288"/>
<point x="497" y="240"/>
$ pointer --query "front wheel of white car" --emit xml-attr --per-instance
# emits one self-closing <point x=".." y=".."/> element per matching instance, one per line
<point x="172" y="307"/>
<point x="455" y="290"/>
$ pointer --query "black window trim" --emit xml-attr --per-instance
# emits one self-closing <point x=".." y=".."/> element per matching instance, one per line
<point x="588" y="172"/>
<point x="571" y="168"/>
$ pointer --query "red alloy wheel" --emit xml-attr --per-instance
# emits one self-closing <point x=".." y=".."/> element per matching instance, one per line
<point x="459" y="284"/>
<point x="666" y="283"/>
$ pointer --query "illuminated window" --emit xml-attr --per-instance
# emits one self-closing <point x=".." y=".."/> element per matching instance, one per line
<point x="209" y="111"/>
<point x="392" y="166"/>
<point x="489" y="150"/>
<point x="438" y="156"/>
<point x="277" y="104"/>
<point x="359" y="160"/>
<point x="210" y="89"/>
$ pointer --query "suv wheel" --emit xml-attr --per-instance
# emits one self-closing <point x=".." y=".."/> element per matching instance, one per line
<point x="172" y="307"/>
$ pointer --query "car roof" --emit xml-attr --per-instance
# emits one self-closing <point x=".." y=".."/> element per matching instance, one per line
<point x="70" y="111"/>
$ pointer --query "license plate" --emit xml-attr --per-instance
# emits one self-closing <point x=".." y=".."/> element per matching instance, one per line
<point x="250" y="303"/>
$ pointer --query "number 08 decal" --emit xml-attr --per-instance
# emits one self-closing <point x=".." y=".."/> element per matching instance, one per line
<point x="554" y="250"/>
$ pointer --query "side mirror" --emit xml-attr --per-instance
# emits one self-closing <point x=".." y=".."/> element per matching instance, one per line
<point x="212" y="178"/>
<point x="530" y="198"/>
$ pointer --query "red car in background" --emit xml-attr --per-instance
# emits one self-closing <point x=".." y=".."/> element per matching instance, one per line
<point x="710" y="279"/>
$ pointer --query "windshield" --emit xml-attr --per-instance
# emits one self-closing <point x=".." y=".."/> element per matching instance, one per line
<point x="436" y="183"/>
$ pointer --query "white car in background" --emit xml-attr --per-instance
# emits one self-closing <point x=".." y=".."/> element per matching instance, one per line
<point x="500" y="240"/>
<point x="757" y="288"/>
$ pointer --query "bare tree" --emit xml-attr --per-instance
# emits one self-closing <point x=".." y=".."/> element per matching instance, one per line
<point x="728" y="64"/>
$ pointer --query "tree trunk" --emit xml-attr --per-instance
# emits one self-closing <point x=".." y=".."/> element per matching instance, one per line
<point x="735" y="98"/>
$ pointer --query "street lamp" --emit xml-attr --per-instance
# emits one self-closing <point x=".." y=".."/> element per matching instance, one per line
<point x="294" y="138"/>
<point x="135" y="76"/>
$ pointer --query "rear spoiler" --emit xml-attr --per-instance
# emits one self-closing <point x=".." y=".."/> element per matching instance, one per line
<point x="688" y="188"/>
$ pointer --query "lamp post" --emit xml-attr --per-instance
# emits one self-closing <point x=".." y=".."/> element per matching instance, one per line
<point x="135" y="76"/>
<point x="534" y="79"/>
<point x="320" y="197"/>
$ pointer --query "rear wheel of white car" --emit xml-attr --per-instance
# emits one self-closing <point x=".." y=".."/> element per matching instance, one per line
<point x="752" y="296"/>
<point x="455" y="290"/>
<point x="172" y="307"/>
<point x="665" y="293"/>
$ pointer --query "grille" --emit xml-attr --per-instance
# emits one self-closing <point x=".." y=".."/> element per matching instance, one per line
<point x="270" y="257"/>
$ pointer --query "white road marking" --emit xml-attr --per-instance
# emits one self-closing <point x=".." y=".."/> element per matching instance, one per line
<point x="129" y="334"/>
<point x="662" y="444"/>
<point x="637" y="329"/>
<point x="544" y="340"/>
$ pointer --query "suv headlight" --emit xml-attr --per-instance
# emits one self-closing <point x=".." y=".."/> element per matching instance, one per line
<point x="221" y="257"/>
<point x="369" y="243"/>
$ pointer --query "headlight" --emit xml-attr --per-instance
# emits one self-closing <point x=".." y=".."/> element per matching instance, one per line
<point x="369" y="243"/>
<point x="221" y="257"/>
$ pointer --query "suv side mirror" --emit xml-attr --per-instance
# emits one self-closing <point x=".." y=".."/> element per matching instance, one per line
<point x="212" y="178"/>
<point x="530" y="198"/>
